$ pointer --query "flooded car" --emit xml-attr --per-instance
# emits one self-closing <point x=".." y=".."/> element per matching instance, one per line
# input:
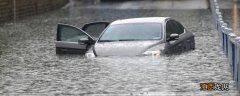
<point x="126" y="37"/>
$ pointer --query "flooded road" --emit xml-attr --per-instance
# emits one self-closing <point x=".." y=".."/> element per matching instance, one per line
<point x="29" y="65"/>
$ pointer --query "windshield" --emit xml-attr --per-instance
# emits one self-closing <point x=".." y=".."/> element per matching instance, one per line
<point x="131" y="32"/>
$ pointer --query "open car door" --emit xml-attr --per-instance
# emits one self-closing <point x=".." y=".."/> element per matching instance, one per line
<point x="72" y="40"/>
<point x="95" y="29"/>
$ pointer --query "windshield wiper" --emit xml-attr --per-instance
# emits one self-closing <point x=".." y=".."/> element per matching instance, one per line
<point x="124" y="40"/>
<point x="128" y="39"/>
<point x="107" y="40"/>
<point x="133" y="39"/>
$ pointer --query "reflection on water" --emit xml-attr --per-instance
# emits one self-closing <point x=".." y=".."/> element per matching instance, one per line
<point x="14" y="11"/>
<point x="235" y="18"/>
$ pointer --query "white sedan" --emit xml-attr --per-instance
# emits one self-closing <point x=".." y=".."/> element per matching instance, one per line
<point x="126" y="37"/>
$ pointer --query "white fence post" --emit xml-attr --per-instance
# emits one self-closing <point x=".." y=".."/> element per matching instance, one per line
<point x="223" y="27"/>
<point x="228" y="41"/>
<point x="237" y="60"/>
<point x="232" y="58"/>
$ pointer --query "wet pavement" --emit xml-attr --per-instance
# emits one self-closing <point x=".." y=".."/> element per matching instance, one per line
<point x="30" y="67"/>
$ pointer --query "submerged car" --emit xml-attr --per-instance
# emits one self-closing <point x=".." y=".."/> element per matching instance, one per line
<point x="126" y="37"/>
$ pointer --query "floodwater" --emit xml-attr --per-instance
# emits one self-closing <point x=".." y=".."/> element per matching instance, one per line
<point x="30" y="67"/>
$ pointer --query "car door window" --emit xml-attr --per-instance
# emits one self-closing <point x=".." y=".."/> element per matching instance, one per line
<point x="180" y="28"/>
<point x="70" y="33"/>
<point x="95" y="29"/>
<point x="170" y="28"/>
<point x="71" y="39"/>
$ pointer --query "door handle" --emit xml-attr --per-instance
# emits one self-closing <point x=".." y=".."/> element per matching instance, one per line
<point x="81" y="43"/>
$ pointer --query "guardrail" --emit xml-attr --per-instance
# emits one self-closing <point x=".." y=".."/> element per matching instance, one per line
<point x="229" y="41"/>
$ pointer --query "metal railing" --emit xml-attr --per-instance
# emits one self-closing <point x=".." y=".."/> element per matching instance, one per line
<point x="229" y="41"/>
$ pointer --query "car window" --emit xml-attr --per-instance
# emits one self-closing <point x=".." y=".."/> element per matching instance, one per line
<point x="95" y="30"/>
<point x="170" y="28"/>
<point x="173" y="27"/>
<point x="180" y="28"/>
<point x="71" y="34"/>
<point x="140" y="31"/>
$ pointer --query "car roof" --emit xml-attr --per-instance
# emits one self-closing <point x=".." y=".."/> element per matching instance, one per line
<point x="141" y="20"/>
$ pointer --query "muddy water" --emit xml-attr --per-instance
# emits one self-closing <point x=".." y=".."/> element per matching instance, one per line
<point x="29" y="65"/>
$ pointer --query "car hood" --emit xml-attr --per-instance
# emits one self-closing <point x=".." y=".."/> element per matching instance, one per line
<point x="124" y="48"/>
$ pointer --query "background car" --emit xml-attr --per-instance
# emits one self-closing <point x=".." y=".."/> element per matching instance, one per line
<point x="127" y="37"/>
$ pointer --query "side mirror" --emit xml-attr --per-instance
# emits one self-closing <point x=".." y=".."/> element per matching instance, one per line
<point x="173" y="37"/>
<point x="85" y="40"/>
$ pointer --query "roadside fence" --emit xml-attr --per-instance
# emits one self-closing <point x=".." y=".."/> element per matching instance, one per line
<point x="229" y="41"/>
